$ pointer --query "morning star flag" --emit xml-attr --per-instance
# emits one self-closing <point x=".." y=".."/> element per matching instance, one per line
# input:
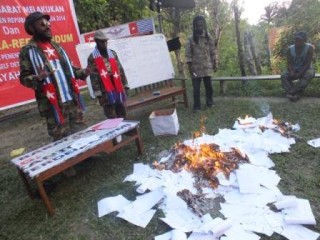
<point x="136" y="28"/>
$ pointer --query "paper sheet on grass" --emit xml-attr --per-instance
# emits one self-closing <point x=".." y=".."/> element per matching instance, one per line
<point x="314" y="142"/>
<point x="140" y="220"/>
<point x="111" y="204"/>
<point x="172" y="235"/>
<point x="298" y="232"/>
<point x="300" y="214"/>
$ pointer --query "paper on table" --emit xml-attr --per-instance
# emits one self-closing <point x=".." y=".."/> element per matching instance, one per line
<point x="111" y="204"/>
<point x="109" y="123"/>
<point x="314" y="142"/>
<point x="82" y="142"/>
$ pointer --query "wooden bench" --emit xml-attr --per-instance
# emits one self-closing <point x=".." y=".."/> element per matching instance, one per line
<point x="47" y="161"/>
<point x="149" y="94"/>
<point x="223" y="86"/>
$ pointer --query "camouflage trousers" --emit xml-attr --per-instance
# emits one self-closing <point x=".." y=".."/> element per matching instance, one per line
<point x="116" y="110"/>
<point x="73" y="121"/>
<point x="292" y="87"/>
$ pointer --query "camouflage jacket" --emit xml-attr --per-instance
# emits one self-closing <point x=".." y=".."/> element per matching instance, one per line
<point x="27" y="74"/>
<point x="201" y="56"/>
<point x="95" y="78"/>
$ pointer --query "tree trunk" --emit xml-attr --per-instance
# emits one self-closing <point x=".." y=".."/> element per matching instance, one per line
<point x="248" y="55"/>
<point x="254" y="55"/>
<point x="240" y="51"/>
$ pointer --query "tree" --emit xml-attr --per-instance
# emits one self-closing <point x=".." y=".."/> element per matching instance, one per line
<point x="93" y="15"/>
<point x="237" y="14"/>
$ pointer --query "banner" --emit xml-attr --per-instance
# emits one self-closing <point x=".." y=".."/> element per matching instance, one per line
<point x="136" y="28"/>
<point x="13" y="37"/>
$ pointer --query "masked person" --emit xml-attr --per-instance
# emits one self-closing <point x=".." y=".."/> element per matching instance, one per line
<point x="201" y="60"/>
<point x="107" y="78"/>
<point x="299" y="67"/>
<point x="46" y="68"/>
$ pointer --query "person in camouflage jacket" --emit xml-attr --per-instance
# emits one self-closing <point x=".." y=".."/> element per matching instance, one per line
<point x="112" y="102"/>
<point x="63" y="116"/>
<point x="201" y="60"/>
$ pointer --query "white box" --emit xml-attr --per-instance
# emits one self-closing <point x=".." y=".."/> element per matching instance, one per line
<point x="164" y="122"/>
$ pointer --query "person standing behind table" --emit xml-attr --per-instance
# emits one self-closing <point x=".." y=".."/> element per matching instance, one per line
<point x="299" y="67"/>
<point x="107" y="78"/>
<point x="46" y="68"/>
<point x="201" y="60"/>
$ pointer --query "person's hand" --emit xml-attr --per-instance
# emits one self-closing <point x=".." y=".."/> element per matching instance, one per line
<point x="292" y="73"/>
<point x="215" y="68"/>
<point x="43" y="73"/>
<point x="88" y="70"/>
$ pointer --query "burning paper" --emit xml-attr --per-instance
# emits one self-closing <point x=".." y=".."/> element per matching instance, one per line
<point x="231" y="168"/>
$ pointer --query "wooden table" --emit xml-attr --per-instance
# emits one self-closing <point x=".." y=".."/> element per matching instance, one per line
<point x="47" y="161"/>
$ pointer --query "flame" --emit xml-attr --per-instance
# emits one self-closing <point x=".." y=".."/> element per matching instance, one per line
<point x="206" y="160"/>
<point x="245" y="121"/>
<point x="202" y="128"/>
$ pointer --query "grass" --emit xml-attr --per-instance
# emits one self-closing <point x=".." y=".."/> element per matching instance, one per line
<point x="75" y="199"/>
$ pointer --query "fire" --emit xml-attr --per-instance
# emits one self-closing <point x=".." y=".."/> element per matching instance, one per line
<point x="205" y="160"/>
<point x="202" y="128"/>
<point x="245" y="121"/>
<point x="284" y="128"/>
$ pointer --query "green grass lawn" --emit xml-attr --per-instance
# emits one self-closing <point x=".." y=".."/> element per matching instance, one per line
<point x="75" y="199"/>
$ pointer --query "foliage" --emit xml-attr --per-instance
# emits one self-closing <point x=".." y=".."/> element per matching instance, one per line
<point x="98" y="14"/>
<point x="302" y="15"/>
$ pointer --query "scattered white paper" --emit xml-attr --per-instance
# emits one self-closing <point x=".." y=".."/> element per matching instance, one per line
<point x="314" y="142"/>
<point x="222" y="227"/>
<point x="140" y="220"/>
<point x="247" y="192"/>
<point x="248" y="181"/>
<point x="298" y="232"/>
<point x="172" y="235"/>
<point x="111" y="204"/>
<point x="144" y="202"/>
<point x="301" y="214"/>
<point x="286" y="202"/>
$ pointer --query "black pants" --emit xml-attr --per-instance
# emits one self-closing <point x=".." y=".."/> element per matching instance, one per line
<point x="196" y="83"/>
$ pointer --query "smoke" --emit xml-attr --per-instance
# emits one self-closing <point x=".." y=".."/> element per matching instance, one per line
<point x="264" y="107"/>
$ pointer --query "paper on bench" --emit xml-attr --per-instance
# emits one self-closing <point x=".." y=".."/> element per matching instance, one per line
<point x="109" y="123"/>
<point x="82" y="142"/>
